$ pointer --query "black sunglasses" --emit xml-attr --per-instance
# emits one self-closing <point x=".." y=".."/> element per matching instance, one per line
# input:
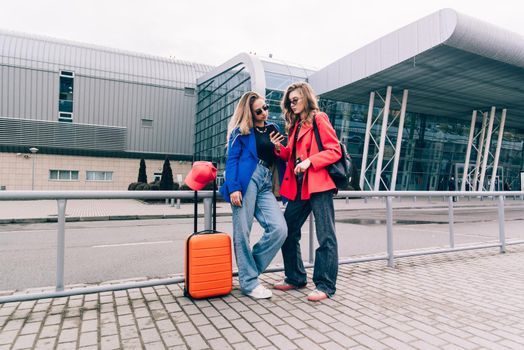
<point x="259" y="111"/>
<point x="294" y="101"/>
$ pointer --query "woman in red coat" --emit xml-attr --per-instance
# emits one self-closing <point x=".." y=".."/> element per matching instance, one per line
<point x="308" y="187"/>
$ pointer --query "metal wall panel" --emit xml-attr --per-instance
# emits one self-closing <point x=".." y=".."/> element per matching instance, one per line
<point x="111" y="87"/>
<point x="27" y="132"/>
<point x="4" y="88"/>
<point x="389" y="51"/>
<point x="407" y="46"/>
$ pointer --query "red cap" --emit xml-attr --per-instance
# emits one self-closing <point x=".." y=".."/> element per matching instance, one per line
<point x="200" y="175"/>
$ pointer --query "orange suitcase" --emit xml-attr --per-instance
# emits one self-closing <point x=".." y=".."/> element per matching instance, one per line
<point x="208" y="267"/>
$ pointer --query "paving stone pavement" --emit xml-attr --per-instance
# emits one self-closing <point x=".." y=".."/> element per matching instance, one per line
<point x="466" y="300"/>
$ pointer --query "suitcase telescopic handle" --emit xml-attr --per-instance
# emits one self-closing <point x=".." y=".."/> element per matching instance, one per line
<point x="214" y="205"/>
<point x="214" y="209"/>
<point x="195" y="211"/>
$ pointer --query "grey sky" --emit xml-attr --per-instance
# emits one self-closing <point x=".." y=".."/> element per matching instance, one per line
<point x="310" y="32"/>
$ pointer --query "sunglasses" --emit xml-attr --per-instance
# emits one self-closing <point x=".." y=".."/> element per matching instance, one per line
<point x="294" y="101"/>
<point x="260" y="110"/>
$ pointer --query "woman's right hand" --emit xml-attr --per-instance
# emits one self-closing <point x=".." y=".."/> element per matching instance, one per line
<point x="276" y="138"/>
<point x="236" y="198"/>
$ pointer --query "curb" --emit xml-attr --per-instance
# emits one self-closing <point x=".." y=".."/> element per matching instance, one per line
<point x="101" y="218"/>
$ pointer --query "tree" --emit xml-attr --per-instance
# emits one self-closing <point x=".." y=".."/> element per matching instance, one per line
<point x="142" y="176"/>
<point x="166" y="183"/>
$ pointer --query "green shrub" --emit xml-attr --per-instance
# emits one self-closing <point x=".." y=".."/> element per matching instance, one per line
<point x="142" y="187"/>
<point x="142" y="176"/>
<point x="132" y="186"/>
<point x="166" y="182"/>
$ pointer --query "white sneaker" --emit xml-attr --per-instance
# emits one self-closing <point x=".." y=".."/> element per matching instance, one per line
<point x="260" y="292"/>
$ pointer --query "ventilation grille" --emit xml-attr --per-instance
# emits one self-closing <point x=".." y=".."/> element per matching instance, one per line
<point x="61" y="135"/>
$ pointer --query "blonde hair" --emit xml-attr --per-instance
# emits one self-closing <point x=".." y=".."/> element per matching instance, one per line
<point x="310" y="104"/>
<point x="243" y="115"/>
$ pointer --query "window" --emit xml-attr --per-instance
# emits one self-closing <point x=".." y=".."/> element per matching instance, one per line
<point x="99" y="176"/>
<point x="65" y="97"/>
<point x="63" y="175"/>
<point x="65" y="117"/>
<point x="189" y="91"/>
<point x="147" y="123"/>
<point x="157" y="177"/>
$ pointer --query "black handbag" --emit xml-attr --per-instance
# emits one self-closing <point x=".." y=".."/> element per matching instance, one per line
<point x="343" y="172"/>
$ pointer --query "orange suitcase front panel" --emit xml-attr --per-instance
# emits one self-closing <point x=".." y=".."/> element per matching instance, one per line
<point x="208" y="270"/>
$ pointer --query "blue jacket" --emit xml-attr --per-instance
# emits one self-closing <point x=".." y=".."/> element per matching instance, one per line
<point x="242" y="160"/>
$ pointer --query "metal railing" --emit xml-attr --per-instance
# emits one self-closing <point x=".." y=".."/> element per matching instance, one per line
<point x="62" y="196"/>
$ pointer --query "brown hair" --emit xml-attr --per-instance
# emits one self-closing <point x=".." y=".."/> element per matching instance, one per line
<point x="310" y="104"/>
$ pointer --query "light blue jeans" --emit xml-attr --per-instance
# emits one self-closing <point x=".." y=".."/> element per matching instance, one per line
<point x="260" y="203"/>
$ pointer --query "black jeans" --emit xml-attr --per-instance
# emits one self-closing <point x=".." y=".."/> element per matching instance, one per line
<point x="326" y="256"/>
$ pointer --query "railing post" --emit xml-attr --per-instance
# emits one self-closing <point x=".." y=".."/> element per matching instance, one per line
<point x="178" y="203"/>
<point x="60" y="245"/>
<point x="311" y="238"/>
<point x="451" y="220"/>
<point x="389" y="231"/>
<point x="207" y="213"/>
<point x="502" y="233"/>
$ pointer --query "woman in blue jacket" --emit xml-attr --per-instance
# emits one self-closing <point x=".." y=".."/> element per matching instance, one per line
<point x="248" y="187"/>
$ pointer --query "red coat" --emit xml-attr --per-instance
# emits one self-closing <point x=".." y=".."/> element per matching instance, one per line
<point x="316" y="177"/>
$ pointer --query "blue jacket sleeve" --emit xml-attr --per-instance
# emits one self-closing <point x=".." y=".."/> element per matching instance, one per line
<point x="233" y="156"/>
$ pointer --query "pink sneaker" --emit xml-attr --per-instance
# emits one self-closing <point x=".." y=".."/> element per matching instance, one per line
<point x="317" y="295"/>
<point x="284" y="286"/>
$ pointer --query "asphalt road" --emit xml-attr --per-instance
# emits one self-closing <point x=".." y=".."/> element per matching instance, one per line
<point x="102" y="251"/>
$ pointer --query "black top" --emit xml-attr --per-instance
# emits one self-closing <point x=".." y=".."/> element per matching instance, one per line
<point x="265" y="149"/>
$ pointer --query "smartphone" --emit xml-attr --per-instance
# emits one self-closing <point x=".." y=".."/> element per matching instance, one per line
<point x="279" y="134"/>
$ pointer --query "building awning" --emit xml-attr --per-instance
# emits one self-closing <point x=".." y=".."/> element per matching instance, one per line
<point x="451" y="63"/>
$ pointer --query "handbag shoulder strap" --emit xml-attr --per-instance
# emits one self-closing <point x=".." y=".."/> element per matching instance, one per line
<point x="317" y="135"/>
<point x="295" y="137"/>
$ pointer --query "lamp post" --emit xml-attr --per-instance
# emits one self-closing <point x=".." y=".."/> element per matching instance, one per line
<point x="33" y="150"/>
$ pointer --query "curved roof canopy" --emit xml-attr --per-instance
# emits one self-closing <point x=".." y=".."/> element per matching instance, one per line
<point x="265" y="73"/>
<point x="40" y="52"/>
<point x="451" y="64"/>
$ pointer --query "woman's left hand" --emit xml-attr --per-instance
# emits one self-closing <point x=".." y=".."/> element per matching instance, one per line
<point x="276" y="138"/>
<point x="302" y="166"/>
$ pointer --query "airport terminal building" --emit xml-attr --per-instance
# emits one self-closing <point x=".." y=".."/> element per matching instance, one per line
<point x="435" y="103"/>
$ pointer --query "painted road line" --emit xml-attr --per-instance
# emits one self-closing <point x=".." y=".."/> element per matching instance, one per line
<point x="129" y="244"/>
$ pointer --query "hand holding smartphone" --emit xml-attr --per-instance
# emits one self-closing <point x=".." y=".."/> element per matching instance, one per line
<point x="276" y="138"/>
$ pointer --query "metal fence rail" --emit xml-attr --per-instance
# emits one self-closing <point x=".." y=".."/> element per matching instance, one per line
<point x="62" y="196"/>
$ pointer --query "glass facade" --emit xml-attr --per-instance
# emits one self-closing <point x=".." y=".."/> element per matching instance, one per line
<point x="433" y="148"/>
<point x="217" y="99"/>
